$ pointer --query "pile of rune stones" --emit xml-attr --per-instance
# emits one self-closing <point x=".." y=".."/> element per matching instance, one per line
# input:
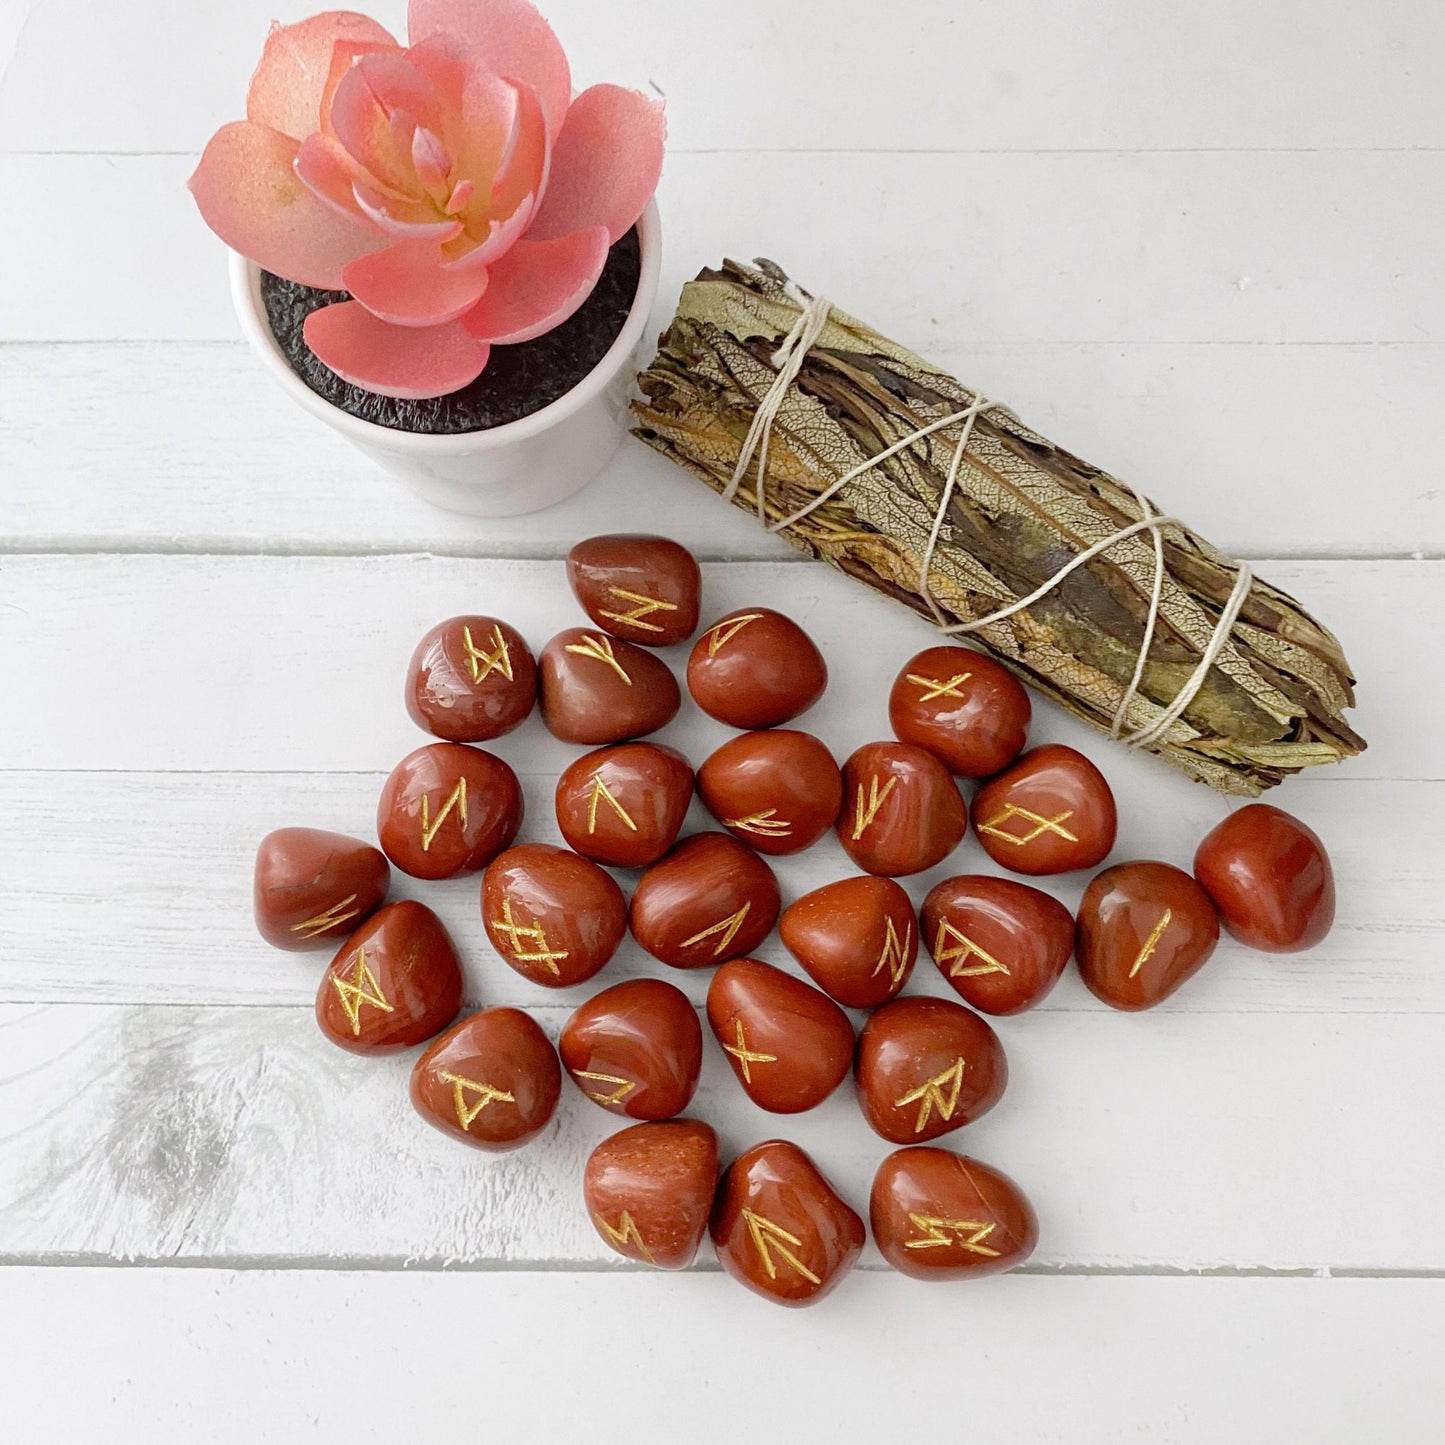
<point x="923" y="1066"/>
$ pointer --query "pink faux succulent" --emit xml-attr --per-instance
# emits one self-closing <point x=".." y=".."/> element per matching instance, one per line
<point x="453" y="186"/>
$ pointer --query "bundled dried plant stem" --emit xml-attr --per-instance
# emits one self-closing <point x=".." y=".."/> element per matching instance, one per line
<point x="1021" y="508"/>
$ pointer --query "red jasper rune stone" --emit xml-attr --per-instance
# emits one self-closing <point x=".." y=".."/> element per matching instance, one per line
<point x="600" y="689"/>
<point x="554" y="917"/>
<point x="902" y="811"/>
<point x="857" y="938"/>
<point x="314" y="887"/>
<point x="940" y="1215"/>
<point x="491" y="1080"/>
<point x="624" y="805"/>
<point x="755" y="668"/>
<point x="649" y="1190"/>
<point x="395" y="982"/>
<point x="969" y="711"/>
<point x="778" y="791"/>
<point x="1050" y="813"/>
<point x="471" y="679"/>
<point x="644" y="589"/>
<point x="448" y="809"/>
<point x="780" y="1228"/>
<point x="1270" y="879"/>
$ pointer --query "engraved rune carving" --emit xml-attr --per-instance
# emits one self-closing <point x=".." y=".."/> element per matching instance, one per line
<point x="866" y="810"/>
<point x="430" y="826"/>
<point x="485" y="1094"/>
<point x="723" y="633"/>
<point x="599" y="649"/>
<point x="327" y="918"/>
<point x="483" y="664"/>
<point x="970" y="1233"/>
<point x="994" y="827"/>
<point x="626" y="1230"/>
<point x="360" y="989"/>
<point x="769" y="1239"/>
<point x="644" y="609"/>
<point x="623" y="1086"/>
<point x="1152" y="942"/>
<point x="543" y="953"/>
<point x="958" y="957"/>
<point x="895" y="953"/>
<point x="601" y="791"/>
<point x="747" y="1057"/>
<point x="930" y="1095"/>
<point x="936" y="687"/>
<point x="765" y="825"/>
<point x="728" y="927"/>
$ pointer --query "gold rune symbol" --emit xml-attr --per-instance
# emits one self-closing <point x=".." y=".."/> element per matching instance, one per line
<point x="995" y="828"/>
<point x="623" y="1089"/>
<point x="483" y="664"/>
<point x="936" y="1231"/>
<point x="361" y="988"/>
<point x="935" y="687"/>
<point x="1152" y="942"/>
<point x="625" y="1231"/>
<point x="599" y="649"/>
<point x="747" y="1057"/>
<point x="865" y="812"/>
<point x="327" y="918"/>
<point x="723" y="632"/>
<point x="765" y="825"/>
<point x="542" y="953"/>
<point x="430" y="825"/>
<point x="728" y="927"/>
<point x="895" y="953"/>
<point x="485" y="1095"/>
<point x="600" y="790"/>
<point x="646" y="606"/>
<point x="930" y="1096"/>
<point x="769" y="1238"/>
<point x="959" y="956"/>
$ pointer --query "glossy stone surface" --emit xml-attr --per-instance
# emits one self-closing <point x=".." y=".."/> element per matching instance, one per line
<point x="554" y="917"/>
<point x="394" y="983"/>
<point x="788" y="1043"/>
<point x="448" y="809"/>
<point x="1270" y="879"/>
<point x="312" y="887"/>
<point x="470" y="679"/>
<point x="649" y="1190"/>
<point x="778" y="790"/>
<point x="940" y="1215"/>
<point x="642" y="588"/>
<point x="780" y="1228"/>
<point x="902" y="811"/>
<point x="969" y="711"/>
<point x="1001" y="945"/>
<point x="625" y="805"/>
<point x="755" y="668"/>
<point x="492" y="1080"/>
<point x="857" y="939"/>
<point x="1050" y="813"/>
<point x="600" y="689"/>
<point x="927" y="1066"/>
<point x="635" y="1049"/>
<point x="1144" y="929"/>
<point x="711" y="899"/>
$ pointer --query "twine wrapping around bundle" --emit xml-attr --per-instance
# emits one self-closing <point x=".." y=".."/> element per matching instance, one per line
<point x="788" y="359"/>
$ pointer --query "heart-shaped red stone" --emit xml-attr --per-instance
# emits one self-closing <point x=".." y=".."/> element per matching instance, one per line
<point x="778" y="791"/>
<point x="755" y="668"/>
<point x="641" y="588"/>
<point x="624" y="805"/>
<point x="969" y="711"/>
<point x="313" y="887"/>
<point x="471" y="679"/>
<point x="857" y="938"/>
<point x="902" y="811"/>
<point x="600" y="689"/>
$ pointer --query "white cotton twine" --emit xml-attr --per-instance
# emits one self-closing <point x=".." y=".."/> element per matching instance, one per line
<point x="788" y="359"/>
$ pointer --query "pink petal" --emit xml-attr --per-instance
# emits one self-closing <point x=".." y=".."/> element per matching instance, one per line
<point x="407" y="285"/>
<point x="500" y="238"/>
<point x="287" y="87"/>
<point x="509" y="37"/>
<point x="524" y="166"/>
<point x="431" y="160"/>
<point x="412" y="362"/>
<point x="375" y="111"/>
<point x="491" y="116"/>
<point x="605" y="165"/>
<point x="251" y="197"/>
<point x="328" y="172"/>
<point x="406" y="220"/>
<point x="344" y="54"/>
<point x="537" y="285"/>
<point x="461" y="196"/>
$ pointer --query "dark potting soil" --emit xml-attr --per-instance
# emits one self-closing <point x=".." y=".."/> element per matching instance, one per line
<point x="518" y="380"/>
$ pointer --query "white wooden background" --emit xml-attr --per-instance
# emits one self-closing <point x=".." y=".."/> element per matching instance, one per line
<point x="1199" y="244"/>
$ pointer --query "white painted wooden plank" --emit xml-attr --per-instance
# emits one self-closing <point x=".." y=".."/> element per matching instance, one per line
<point x="938" y="250"/>
<point x="1178" y="1140"/>
<point x="817" y="73"/>
<point x="135" y="888"/>
<point x="294" y="663"/>
<point x="126" y="445"/>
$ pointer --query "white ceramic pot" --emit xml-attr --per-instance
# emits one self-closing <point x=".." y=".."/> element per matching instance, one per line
<point x="520" y="467"/>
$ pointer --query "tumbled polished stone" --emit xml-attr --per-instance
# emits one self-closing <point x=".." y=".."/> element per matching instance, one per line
<point x="902" y="811"/>
<point x="1001" y="945"/>
<point x="642" y="588"/>
<point x="1050" y="813"/>
<point x="1270" y="879"/>
<point x="1144" y="929"/>
<point x="755" y="668"/>
<point x="554" y="917"/>
<point x="491" y="1080"/>
<point x="940" y="1215"/>
<point x="780" y="1228"/>
<point x="788" y="1043"/>
<point x="470" y="679"/>
<point x="927" y="1066"/>
<point x="777" y="790"/>
<point x="600" y="689"/>
<point x="969" y="711"/>
<point x="857" y="939"/>
<point x="624" y="805"/>
<point x="711" y="899"/>
<point x="649" y="1190"/>
<point x="312" y="887"/>
<point x="395" y="982"/>
<point x="635" y="1049"/>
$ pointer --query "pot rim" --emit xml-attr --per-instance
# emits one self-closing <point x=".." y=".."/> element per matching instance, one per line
<point x="246" y="296"/>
